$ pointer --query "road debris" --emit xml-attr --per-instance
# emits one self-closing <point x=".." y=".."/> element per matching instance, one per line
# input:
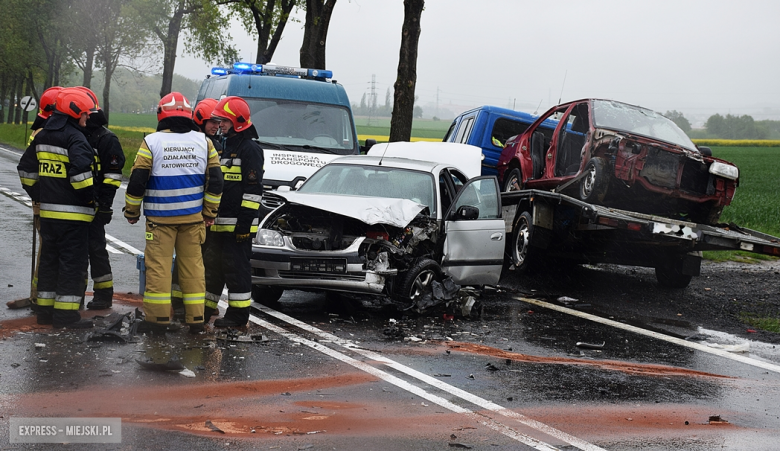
<point x="459" y="445"/>
<point x="582" y="344"/>
<point x="737" y="348"/>
<point x="716" y="419"/>
<point x="211" y="426"/>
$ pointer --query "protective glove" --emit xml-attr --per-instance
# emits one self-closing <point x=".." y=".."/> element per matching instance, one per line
<point x="104" y="216"/>
<point x="131" y="214"/>
<point x="242" y="233"/>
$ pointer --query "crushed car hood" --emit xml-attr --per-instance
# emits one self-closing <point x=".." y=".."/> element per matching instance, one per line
<point x="371" y="210"/>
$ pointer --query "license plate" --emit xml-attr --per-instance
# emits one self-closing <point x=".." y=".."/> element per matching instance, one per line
<point x="321" y="265"/>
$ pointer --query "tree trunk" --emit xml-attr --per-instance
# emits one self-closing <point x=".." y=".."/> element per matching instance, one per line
<point x="11" y="102"/>
<point x="19" y="95"/>
<point x="267" y="43"/>
<point x="3" y="91"/>
<point x="88" y="67"/>
<point x="403" y="99"/>
<point x="170" y="43"/>
<point x="318" y="13"/>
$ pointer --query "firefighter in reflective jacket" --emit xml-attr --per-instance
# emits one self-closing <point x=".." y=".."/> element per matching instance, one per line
<point x="229" y="246"/>
<point x="176" y="174"/>
<point x="107" y="171"/>
<point x="56" y="171"/>
<point x="201" y="115"/>
<point x="48" y="99"/>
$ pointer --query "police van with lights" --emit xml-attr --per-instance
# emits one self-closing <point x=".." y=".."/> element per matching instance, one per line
<point x="302" y="116"/>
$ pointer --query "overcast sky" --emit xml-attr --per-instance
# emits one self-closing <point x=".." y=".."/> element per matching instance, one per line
<point x="698" y="57"/>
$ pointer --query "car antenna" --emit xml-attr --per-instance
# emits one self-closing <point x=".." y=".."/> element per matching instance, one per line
<point x="536" y="111"/>
<point x="383" y="156"/>
<point x="562" y="85"/>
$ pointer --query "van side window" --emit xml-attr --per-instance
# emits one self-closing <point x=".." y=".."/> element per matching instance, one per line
<point x="448" y="135"/>
<point x="504" y="128"/>
<point x="464" y="130"/>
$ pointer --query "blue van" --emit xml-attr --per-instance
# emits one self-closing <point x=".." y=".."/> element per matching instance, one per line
<point x="489" y="128"/>
<point x="302" y="116"/>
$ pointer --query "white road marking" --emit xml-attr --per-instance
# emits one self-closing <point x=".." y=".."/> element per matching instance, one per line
<point x="466" y="396"/>
<point x="389" y="378"/>
<point x="659" y="336"/>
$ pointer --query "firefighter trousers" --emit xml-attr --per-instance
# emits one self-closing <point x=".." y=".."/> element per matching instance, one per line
<point x="227" y="263"/>
<point x="99" y="263"/>
<point x="63" y="262"/>
<point x="161" y="241"/>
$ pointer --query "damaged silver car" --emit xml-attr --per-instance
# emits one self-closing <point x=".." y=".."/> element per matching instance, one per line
<point x="416" y="233"/>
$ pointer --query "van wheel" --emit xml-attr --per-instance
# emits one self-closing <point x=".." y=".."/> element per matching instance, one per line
<point x="418" y="281"/>
<point x="593" y="186"/>
<point x="267" y="295"/>
<point x="521" y="252"/>
<point x="513" y="180"/>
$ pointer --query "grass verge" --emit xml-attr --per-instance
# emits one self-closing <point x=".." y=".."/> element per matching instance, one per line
<point x="764" y="323"/>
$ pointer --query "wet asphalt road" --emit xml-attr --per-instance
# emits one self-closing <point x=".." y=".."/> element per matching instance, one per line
<point x="363" y="378"/>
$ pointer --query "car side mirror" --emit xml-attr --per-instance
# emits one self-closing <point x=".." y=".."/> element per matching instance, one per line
<point x="299" y="183"/>
<point x="467" y="212"/>
<point x="369" y="143"/>
<point x="704" y="150"/>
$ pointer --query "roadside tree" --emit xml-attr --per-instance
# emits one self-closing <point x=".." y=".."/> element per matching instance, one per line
<point x="315" y="32"/>
<point x="202" y="22"/>
<point x="265" y="19"/>
<point x="406" y="80"/>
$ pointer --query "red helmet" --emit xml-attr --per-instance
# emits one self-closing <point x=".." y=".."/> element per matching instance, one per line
<point x="203" y="110"/>
<point x="48" y="99"/>
<point x="91" y="95"/>
<point x="74" y="102"/>
<point x="174" y="105"/>
<point x="234" y="109"/>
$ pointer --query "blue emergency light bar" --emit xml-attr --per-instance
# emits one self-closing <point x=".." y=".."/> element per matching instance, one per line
<point x="272" y="69"/>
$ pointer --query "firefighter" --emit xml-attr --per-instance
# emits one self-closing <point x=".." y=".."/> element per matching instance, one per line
<point x="55" y="170"/>
<point x="107" y="171"/>
<point x="176" y="174"/>
<point x="48" y="99"/>
<point x="202" y="117"/>
<point x="229" y="247"/>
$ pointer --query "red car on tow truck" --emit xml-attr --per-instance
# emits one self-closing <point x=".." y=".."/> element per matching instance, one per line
<point x="619" y="155"/>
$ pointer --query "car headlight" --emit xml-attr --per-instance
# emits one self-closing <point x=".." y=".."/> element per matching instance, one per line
<point x="724" y="170"/>
<point x="267" y="237"/>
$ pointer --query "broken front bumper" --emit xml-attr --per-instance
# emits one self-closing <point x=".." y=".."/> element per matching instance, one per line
<point x="312" y="270"/>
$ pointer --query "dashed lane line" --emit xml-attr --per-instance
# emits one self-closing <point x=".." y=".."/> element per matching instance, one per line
<point x="649" y="333"/>
<point x="462" y="394"/>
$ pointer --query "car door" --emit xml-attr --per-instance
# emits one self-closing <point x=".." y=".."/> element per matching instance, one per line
<point x="473" y="251"/>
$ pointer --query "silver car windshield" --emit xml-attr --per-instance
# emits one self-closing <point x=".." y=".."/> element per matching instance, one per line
<point x="640" y="121"/>
<point x="306" y="127"/>
<point x="373" y="181"/>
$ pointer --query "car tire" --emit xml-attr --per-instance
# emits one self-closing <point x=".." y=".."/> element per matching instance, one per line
<point x="417" y="282"/>
<point x="593" y="186"/>
<point x="521" y="253"/>
<point x="669" y="275"/>
<point x="513" y="177"/>
<point x="267" y="295"/>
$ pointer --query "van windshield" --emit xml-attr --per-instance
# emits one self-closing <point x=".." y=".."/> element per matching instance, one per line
<point x="307" y="127"/>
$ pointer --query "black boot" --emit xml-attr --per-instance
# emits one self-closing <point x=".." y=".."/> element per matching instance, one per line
<point x="234" y="317"/>
<point x="44" y="315"/>
<point x="99" y="303"/>
<point x="197" y="328"/>
<point x="70" y="319"/>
